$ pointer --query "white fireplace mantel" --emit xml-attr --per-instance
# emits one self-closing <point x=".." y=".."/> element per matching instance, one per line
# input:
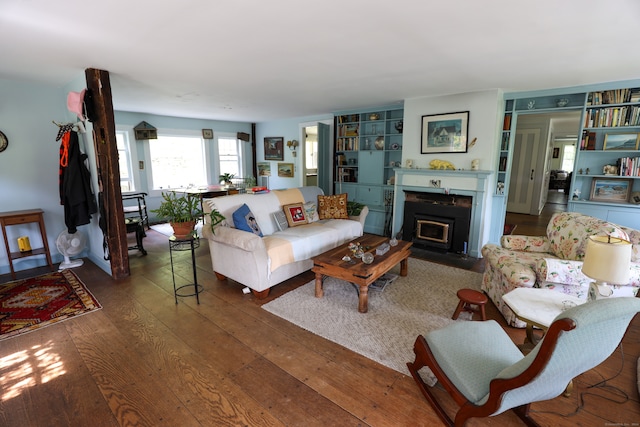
<point x="461" y="182"/>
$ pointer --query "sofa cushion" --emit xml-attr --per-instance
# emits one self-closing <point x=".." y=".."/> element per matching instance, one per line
<point x="333" y="207"/>
<point x="245" y="220"/>
<point x="311" y="210"/>
<point x="281" y="220"/>
<point x="295" y="214"/>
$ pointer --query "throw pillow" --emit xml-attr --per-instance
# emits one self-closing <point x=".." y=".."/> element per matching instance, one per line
<point x="245" y="220"/>
<point x="295" y="214"/>
<point x="333" y="207"/>
<point x="311" y="211"/>
<point x="281" y="220"/>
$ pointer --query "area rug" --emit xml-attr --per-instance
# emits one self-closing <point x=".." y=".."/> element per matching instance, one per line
<point x="30" y="304"/>
<point x="422" y="301"/>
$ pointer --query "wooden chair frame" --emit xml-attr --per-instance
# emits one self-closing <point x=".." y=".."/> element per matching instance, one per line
<point x="424" y="357"/>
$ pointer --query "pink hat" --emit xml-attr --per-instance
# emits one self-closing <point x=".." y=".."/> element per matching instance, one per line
<point x="75" y="103"/>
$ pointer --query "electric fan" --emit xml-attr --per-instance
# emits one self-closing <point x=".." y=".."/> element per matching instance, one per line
<point x="71" y="245"/>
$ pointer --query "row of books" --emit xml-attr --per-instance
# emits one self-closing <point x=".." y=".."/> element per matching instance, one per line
<point x="348" y="130"/>
<point x="347" y="144"/>
<point x="588" y="141"/>
<point x="616" y="96"/>
<point x="349" y="118"/>
<point x="612" y="117"/>
<point x="628" y="166"/>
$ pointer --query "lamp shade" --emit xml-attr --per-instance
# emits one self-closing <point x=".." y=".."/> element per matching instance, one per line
<point x="607" y="259"/>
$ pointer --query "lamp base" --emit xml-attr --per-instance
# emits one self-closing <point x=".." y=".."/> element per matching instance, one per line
<point x="599" y="290"/>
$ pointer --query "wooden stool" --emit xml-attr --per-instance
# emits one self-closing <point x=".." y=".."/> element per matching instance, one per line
<point x="470" y="297"/>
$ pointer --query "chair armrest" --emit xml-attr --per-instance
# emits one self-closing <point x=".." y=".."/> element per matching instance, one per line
<point x="525" y="243"/>
<point x="238" y="238"/>
<point x="567" y="272"/>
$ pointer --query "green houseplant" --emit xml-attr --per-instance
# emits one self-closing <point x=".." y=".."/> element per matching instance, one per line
<point x="182" y="213"/>
<point x="226" y="178"/>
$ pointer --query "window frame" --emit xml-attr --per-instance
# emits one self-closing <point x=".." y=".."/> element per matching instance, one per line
<point x="132" y="152"/>
<point x="188" y="133"/>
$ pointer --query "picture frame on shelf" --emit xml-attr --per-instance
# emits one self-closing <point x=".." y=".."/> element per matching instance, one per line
<point x="611" y="190"/>
<point x="274" y="148"/>
<point x="285" y="170"/>
<point x="621" y="141"/>
<point x="445" y="133"/>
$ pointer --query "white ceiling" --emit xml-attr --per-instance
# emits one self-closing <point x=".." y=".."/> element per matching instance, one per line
<point x="257" y="60"/>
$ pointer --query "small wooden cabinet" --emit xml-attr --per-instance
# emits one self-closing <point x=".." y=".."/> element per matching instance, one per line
<point x="24" y="217"/>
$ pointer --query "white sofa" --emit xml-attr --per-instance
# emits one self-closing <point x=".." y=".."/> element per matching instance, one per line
<point x="262" y="262"/>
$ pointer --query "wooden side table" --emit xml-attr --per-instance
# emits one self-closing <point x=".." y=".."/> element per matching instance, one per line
<point x="24" y="217"/>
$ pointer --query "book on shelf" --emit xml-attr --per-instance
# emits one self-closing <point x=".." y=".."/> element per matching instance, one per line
<point x="588" y="140"/>
<point x="507" y="122"/>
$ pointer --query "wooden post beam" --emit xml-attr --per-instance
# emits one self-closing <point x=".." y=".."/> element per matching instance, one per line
<point x="104" y="140"/>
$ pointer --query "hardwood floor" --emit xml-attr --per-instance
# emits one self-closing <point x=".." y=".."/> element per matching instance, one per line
<point x="531" y="225"/>
<point x="143" y="360"/>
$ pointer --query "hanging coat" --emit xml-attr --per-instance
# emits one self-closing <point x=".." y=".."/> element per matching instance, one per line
<point x="76" y="194"/>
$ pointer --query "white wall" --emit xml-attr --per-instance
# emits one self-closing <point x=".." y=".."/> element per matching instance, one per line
<point x="30" y="165"/>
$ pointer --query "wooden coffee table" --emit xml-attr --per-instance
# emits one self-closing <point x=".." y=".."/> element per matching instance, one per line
<point x="357" y="272"/>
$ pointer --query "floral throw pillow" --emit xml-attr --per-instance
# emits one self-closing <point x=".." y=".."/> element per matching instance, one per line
<point x="333" y="207"/>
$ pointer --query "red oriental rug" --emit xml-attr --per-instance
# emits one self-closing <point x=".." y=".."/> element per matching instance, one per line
<point x="29" y="304"/>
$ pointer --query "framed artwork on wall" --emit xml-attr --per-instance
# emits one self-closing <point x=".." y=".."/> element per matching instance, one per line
<point x="264" y="169"/>
<point x="445" y="133"/>
<point x="274" y="148"/>
<point x="285" y="170"/>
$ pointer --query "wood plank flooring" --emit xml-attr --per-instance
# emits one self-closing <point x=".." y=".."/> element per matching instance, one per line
<point x="143" y="360"/>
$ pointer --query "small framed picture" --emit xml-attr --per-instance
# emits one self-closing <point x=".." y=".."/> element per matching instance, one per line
<point x="611" y="190"/>
<point x="445" y="133"/>
<point x="621" y="141"/>
<point x="556" y="152"/>
<point x="273" y="148"/>
<point x="207" y="133"/>
<point x="285" y="170"/>
<point x="264" y="169"/>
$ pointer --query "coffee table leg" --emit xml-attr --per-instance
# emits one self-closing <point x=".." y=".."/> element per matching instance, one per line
<point x="319" y="290"/>
<point x="404" y="267"/>
<point x="363" y="299"/>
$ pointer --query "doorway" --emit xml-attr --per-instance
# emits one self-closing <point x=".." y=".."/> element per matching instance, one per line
<point x="544" y="146"/>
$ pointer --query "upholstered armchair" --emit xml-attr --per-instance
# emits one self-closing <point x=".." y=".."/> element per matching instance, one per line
<point x="553" y="261"/>
<point x="486" y="374"/>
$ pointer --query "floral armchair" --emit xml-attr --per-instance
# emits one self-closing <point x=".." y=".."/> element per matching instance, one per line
<point x="553" y="261"/>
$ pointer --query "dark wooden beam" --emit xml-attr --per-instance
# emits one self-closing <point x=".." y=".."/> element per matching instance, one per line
<point x="253" y="151"/>
<point x="104" y="140"/>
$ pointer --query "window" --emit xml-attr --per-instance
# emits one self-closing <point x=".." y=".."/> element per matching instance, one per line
<point x="127" y="183"/>
<point x="229" y="155"/>
<point x="568" y="157"/>
<point x="177" y="161"/>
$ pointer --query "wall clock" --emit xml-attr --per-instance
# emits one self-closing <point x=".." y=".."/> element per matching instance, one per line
<point x="4" y="142"/>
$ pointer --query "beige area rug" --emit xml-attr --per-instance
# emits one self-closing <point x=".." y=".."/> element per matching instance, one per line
<point x="422" y="301"/>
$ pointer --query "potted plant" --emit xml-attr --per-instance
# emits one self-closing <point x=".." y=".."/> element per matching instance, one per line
<point x="216" y="218"/>
<point x="182" y="213"/>
<point x="226" y="178"/>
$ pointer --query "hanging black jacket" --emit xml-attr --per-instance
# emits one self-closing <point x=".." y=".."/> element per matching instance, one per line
<point x="76" y="194"/>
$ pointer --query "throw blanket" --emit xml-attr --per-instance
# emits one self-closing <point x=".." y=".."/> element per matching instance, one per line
<point x="309" y="240"/>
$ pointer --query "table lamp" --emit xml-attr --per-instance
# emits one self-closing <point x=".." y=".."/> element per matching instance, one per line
<point x="607" y="261"/>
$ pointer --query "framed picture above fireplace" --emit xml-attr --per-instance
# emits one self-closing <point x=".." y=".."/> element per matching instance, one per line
<point x="445" y="133"/>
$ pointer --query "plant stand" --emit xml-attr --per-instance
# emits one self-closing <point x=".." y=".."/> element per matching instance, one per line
<point x="185" y="244"/>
